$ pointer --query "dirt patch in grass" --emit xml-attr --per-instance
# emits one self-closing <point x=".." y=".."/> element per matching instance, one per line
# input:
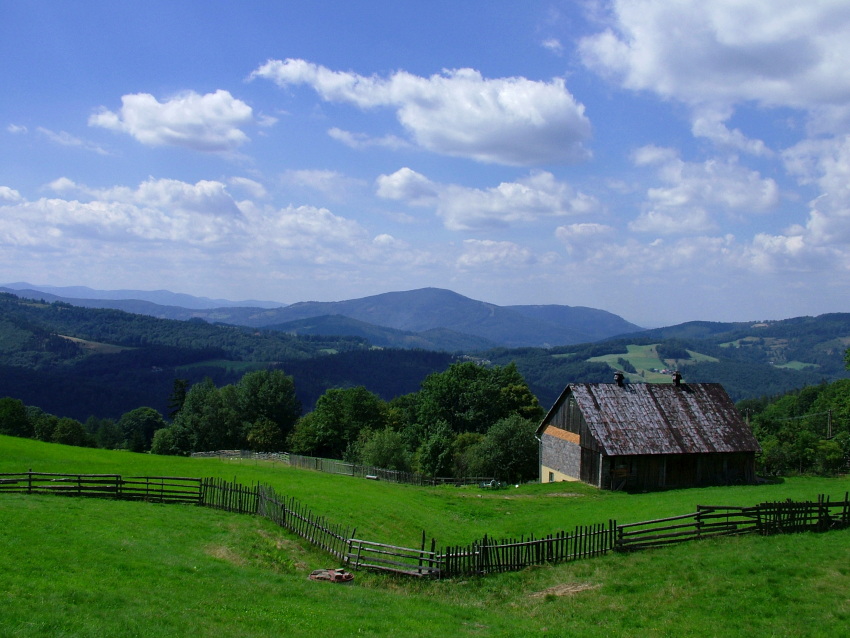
<point x="225" y="553"/>
<point x="564" y="589"/>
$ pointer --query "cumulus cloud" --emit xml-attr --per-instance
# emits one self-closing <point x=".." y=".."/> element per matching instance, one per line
<point x="695" y="193"/>
<point x="580" y="238"/>
<point x="252" y="187"/>
<point x="526" y="200"/>
<point x="493" y="255"/>
<point x="209" y="122"/>
<point x="513" y="121"/>
<point x="176" y="220"/>
<point x="716" y="55"/>
<point x="775" y="52"/>
<point x="9" y="195"/>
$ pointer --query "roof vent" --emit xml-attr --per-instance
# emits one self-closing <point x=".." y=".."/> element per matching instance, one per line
<point x="677" y="378"/>
<point x="619" y="378"/>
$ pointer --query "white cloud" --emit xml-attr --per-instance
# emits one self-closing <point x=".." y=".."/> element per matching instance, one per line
<point x="250" y="186"/>
<point x="9" y="195"/>
<point x="176" y="220"/>
<point x="498" y="255"/>
<point x="695" y="193"/>
<point x="709" y="123"/>
<point x="332" y="183"/>
<point x="200" y="122"/>
<point x="16" y="129"/>
<point x="409" y="186"/>
<point x="66" y="139"/>
<point x="361" y="140"/>
<point x="715" y="55"/>
<point x="512" y="121"/>
<point x="584" y="238"/>
<point x="775" y="52"/>
<point x="526" y="200"/>
<point x="554" y="45"/>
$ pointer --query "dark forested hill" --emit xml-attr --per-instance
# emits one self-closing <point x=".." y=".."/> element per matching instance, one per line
<point x="78" y="362"/>
<point x="751" y="359"/>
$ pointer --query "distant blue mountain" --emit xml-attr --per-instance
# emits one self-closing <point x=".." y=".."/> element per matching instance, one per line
<point x="428" y="317"/>
<point x="160" y="297"/>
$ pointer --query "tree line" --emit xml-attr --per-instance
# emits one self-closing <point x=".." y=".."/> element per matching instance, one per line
<point x="469" y="420"/>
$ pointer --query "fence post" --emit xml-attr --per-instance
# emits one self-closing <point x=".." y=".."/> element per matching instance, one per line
<point x="29" y="481"/>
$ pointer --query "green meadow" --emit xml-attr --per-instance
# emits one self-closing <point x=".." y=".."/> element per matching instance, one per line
<point x="90" y="567"/>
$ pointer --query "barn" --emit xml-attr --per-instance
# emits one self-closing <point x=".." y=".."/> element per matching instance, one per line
<point x="642" y="436"/>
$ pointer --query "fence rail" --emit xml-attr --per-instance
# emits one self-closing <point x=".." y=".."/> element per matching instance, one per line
<point x="481" y="557"/>
<point x="170" y="489"/>
<point x="391" y="558"/>
<point x="488" y="556"/>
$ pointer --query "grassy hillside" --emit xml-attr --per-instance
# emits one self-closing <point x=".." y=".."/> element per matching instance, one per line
<point x="134" y="569"/>
<point x="80" y="567"/>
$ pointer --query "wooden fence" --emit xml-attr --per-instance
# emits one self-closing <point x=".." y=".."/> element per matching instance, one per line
<point x="479" y="558"/>
<point x="487" y="556"/>
<point x="765" y="518"/>
<point x="298" y="519"/>
<point x="166" y="489"/>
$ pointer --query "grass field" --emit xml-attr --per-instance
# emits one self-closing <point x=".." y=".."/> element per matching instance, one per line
<point x="86" y="567"/>
<point x="645" y="358"/>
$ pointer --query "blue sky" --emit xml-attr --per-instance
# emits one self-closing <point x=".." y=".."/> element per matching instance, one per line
<point x="666" y="161"/>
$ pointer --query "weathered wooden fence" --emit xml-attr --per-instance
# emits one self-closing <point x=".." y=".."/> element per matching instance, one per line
<point x="362" y="554"/>
<point x="766" y="519"/>
<point x="488" y="556"/>
<point x="479" y="558"/>
<point x="298" y="519"/>
<point x="167" y="489"/>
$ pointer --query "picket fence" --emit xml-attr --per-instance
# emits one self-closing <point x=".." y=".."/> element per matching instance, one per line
<point x="482" y="557"/>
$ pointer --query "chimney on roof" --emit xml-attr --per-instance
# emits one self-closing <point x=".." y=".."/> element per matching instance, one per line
<point x="619" y="378"/>
<point x="677" y="378"/>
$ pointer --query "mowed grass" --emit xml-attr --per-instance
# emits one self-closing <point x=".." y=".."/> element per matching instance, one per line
<point x="645" y="358"/>
<point x="88" y="567"/>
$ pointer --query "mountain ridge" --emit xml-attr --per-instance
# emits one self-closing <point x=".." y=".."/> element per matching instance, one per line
<point x="423" y="310"/>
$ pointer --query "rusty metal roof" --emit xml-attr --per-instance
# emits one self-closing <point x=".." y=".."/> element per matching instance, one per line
<point x="691" y="418"/>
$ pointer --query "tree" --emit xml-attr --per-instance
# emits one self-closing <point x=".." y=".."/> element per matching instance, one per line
<point x="268" y="395"/>
<point x="265" y="436"/>
<point x="13" y="418"/>
<point x="339" y="417"/>
<point x="71" y="432"/>
<point x="434" y="456"/>
<point x="168" y="441"/>
<point x="509" y="451"/>
<point x="471" y="398"/>
<point x="138" y="427"/>
<point x="209" y="420"/>
<point x="385" y="449"/>
<point x="177" y="397"/>
<point x="43" y="424"/>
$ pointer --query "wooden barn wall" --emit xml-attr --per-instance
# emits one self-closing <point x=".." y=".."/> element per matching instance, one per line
<point x="569" y="417"/>
<point x="682" y="470"/>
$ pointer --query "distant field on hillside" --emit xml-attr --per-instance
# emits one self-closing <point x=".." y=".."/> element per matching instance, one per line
<point x="108" y="568"/>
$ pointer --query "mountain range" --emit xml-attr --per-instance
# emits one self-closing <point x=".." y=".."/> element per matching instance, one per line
<point x="428" y="318"/>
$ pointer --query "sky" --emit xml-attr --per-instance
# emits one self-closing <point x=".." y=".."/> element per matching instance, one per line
<point x="664" y="160"/>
